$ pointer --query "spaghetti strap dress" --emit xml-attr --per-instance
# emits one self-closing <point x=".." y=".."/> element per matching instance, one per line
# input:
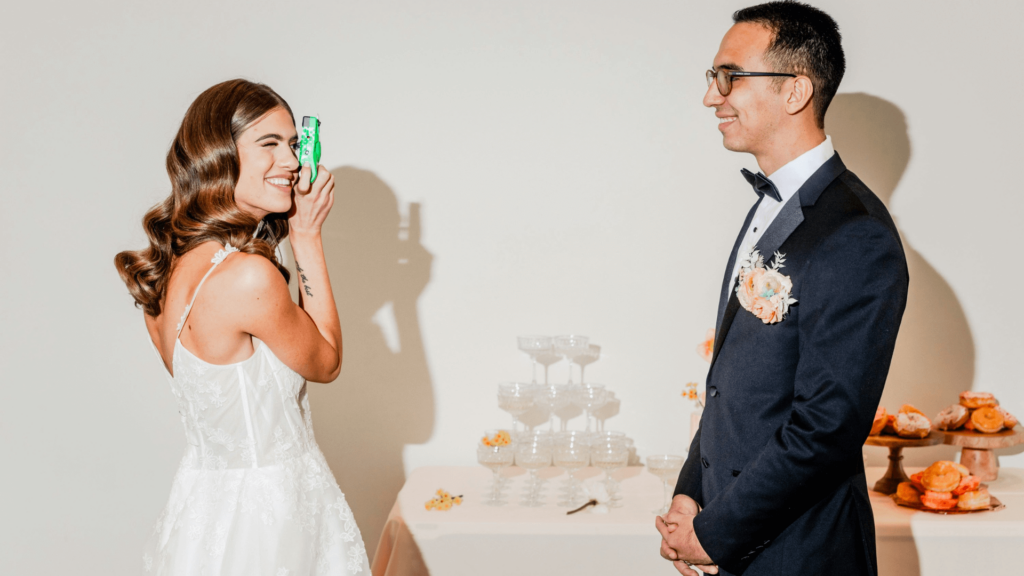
<point x="253" y="494"/>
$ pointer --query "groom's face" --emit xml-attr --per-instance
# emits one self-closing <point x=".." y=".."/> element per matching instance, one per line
<point x="750" y="113"/>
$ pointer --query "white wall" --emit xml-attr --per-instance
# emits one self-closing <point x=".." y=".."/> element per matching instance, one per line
<point x="570" y="180"/>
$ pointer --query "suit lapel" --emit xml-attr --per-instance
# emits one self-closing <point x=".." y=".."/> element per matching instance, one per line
<point x="787" y="221"/>
<point x="723" y="299"/>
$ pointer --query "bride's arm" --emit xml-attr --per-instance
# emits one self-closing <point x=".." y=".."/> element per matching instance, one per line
<point x="306" y="337"/>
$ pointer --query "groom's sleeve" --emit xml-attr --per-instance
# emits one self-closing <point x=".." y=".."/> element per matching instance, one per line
<point x="690" y="476"/>
<point x="852" y="300"/>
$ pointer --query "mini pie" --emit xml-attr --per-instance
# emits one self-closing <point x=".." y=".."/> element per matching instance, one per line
<point x="987" y="420"/>
<point x="952" y="418"/>
<point x="912" y="425"/>
<point x="938" y="500"/>
<point x="967" y="484"/>
<point x="942" y="476"/>
<point x="907" y="492"/>
<point x="974" y="500"/>
<point x="908" y="409"/>
<point x="974" y="400"/>
<point x="1009" y="420"/>
<point x="881" y="418"/>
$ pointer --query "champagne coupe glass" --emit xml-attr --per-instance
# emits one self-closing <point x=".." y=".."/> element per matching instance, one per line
<point x="571" y="456"/>
<point x="609" y="456"/>
<point x="610" y="409"/>
<point x="533" y="346"/>
<point x="555" y="397"/>
<point x="589" y="397"/>
<point x="533" y="454"/>
<point x="495" y="458"/>
<point x="515" y="398"/>
<point x="571" y="346"/>
<point x="588" y="356"/>
<point x="546" y="358"/>
<point x="666" y="467"/>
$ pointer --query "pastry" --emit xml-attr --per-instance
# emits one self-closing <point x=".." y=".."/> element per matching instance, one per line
<point x="975" y="500"/>
<point x="964" y="470"/>
<point x="967" y="484"/>
<point x="890" y="424"/>
<point x="915" y="479"/>
<point x="952" y="418"/>
<point x="942" y="476"/>
<point x="974" y="400"/>
<point x="987" y="420"/>
<point x="908" y="409"/>
<point x="1009" y="420"/>
<point x="912" y="425"/>
<point x="907" y="492"/>
<point x="880" y="420"/>
<point x="969" y="426"/>
<point x="938" y="500"/>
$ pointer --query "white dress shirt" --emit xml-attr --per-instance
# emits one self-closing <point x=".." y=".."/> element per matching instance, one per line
<point x="788" y="180"/>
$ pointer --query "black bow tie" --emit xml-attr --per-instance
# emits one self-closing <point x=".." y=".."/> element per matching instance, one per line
<point x="762" y="185"/>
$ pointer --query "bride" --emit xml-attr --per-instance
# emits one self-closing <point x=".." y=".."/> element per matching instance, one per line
<point x="253" y="493"/>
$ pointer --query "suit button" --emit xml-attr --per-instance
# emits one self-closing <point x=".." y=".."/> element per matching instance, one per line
<point x="704" y="461"/>
<point x="712" y="391"/>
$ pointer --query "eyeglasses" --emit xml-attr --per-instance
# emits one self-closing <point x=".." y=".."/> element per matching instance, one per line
<point x="724" y="78"/>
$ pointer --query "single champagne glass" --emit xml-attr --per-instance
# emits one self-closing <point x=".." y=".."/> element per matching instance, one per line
<point x="516" y="398"/>
<point x="610" y="455"/>
<point x="589" y="397"/>
<point x="495" y="458"/>
<point x="571" y="456"/>
<point x="588" y="356"/>
<point x="546" y="358"/>
<point x="533" y="454"/>
<point x="666" y="467"/>
<point x="610" y="409"/>
<point x="571" y="346"/>
<point x="534" y="346"/>
<point x="555" y="397"/>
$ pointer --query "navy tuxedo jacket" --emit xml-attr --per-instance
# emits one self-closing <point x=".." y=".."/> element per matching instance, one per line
<point x="777" y="461"/>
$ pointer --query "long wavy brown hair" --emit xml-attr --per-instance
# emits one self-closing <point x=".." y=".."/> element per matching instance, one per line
<point x="203" y="166"/>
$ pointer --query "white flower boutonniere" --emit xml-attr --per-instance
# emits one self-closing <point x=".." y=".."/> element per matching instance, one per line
<point x="764" y="292"/>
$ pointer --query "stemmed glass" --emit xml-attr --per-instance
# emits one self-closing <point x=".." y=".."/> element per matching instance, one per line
<point x="546" y="358"/>
<point x="589" y="397"/>
<point x="609" y="453"/>
<point x="591" y="354"/>
<point x="533" y="453"/>
<point x="515" y="398"/>
<point x="610" y="408"/>
<point x="495" y="458"/>
<point x="667" y="468"/>
<point x="571" y="346"/>
<point x="571" y="453"/>
<point x="534" y="346"/>
<point x="555" y="397"/>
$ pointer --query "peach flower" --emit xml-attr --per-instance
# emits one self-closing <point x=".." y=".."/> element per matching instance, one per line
<point x="749" y="282"/>
<point x="771" y="283"/>
<point x="765" y="309"/>
<point x="707" y="348"/>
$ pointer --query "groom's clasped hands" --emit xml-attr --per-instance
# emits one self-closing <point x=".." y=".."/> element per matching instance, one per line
<point x="678" y="541"/>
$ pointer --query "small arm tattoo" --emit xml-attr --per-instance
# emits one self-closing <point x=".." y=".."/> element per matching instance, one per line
<point x="305" y="286"/>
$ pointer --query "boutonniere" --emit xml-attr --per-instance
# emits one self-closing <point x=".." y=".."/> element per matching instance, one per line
<point x="764" y="292"/>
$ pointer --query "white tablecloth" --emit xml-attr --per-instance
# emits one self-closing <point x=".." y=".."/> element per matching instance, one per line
<point x="473" y="539"/>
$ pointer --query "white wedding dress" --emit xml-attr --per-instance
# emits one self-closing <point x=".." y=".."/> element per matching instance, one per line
<point x="253" y="494"/>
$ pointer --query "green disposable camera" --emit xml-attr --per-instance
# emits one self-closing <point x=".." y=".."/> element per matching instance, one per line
<point x="309" y="145"/>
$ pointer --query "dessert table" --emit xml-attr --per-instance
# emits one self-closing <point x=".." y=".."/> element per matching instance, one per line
<point x="474" y="539"/>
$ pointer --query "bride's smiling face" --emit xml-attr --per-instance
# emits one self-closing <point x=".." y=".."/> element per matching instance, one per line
<point x="268" y="165"/>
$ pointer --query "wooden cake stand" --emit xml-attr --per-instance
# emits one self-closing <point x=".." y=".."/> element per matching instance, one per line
<point x="894" y="475"/>
<point x="976" y="449"/>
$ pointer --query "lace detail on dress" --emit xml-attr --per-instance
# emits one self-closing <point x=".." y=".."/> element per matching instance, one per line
<point x="223" y="253"/>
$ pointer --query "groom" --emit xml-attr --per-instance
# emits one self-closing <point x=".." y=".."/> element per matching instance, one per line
<point x="774" y="481"/>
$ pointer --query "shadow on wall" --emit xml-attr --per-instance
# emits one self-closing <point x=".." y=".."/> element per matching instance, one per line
<point x="383" y="399"/>
<point x="934" y="357"/>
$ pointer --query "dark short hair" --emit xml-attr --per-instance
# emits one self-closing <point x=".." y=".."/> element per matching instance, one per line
<point x="805" y="41"/>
